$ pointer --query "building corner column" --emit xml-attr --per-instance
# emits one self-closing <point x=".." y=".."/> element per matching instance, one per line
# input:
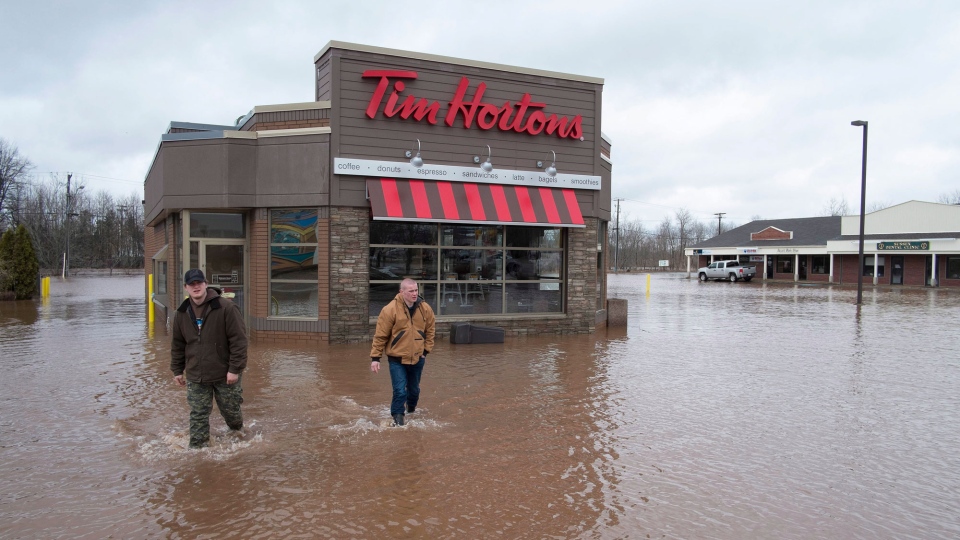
<point x="933" y="272"/>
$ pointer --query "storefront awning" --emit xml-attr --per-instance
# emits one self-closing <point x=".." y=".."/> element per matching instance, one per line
<point x="424" y="200"/>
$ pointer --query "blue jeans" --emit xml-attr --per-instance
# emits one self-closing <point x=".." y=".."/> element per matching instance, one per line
<point x="406" y="384"/>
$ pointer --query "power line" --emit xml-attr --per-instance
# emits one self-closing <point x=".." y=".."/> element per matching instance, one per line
<point x="719" y="218"/>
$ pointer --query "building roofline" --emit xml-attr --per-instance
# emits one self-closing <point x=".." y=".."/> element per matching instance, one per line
<point x="332" y="44"/>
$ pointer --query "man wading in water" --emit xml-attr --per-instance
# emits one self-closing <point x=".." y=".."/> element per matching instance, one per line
<point x="406" y="327"/>
<point x="208" y="354"/>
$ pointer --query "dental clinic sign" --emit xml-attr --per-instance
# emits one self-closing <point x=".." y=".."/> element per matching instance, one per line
<point x="522" y="116"/>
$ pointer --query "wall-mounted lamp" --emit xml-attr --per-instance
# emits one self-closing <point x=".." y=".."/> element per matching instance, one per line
<point x="416" y="160"/>
<point x="487" y="165"/>
<point x="552" y="169"/>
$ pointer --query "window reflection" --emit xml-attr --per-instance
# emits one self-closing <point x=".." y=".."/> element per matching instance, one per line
<point x="216" y="225"/>
<point x="403" y="233"/>
<point x="398" y="263"/>
<point x="294" y="263"/>
<point x="293" y="226"/>
<point x="466" y="270"/>
<point x="534" y="237"/>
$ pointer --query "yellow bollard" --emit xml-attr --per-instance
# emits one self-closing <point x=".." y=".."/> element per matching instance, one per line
<point x="648" y="284"/>
<point x="45" y="287"/>
<point x="150" y="314"/>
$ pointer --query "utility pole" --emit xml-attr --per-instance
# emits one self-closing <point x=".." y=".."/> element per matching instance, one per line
<point x="69" y="214"/>
<point x="66" y="252"/>
<point x="120" y="239"/>
<point x="616" y="252"/>
<point x="719" y="218"/>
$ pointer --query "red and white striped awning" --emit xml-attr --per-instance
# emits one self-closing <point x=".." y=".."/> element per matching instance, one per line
<point x="426" y="200"/>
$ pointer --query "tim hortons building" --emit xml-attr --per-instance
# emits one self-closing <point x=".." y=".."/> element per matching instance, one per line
<point x="488" y="184"/>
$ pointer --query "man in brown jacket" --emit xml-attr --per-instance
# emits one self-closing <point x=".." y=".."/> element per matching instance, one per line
<point x="405" y="331"/>
<point x="208" y="355"/>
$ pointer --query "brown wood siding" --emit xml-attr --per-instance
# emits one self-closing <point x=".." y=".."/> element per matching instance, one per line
<point x="290" y="119"/>
<point x="291" y="124"/>
<point x="153" y="189"/>
<point x="324" y="79"/>
<point x="389" y="138"/>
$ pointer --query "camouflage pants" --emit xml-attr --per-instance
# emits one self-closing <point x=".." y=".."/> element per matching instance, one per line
<point x="200" y="398"/>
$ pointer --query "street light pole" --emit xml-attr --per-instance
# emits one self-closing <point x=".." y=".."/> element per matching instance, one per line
<point x="66" y="252"/>
<point x="863" y="207"/>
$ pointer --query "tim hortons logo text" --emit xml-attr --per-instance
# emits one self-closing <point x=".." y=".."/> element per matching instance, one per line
<point x="524" y="116"/>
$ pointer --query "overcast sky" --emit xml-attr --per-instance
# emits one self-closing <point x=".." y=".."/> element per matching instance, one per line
<point x="735" y="107"/>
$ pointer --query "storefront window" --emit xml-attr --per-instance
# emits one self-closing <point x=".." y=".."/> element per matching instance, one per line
<point x="216" y="225"/>
<point x="821" y="264"/>
<point x="400" y="262"/>
<point x="402" y="233"/>
<point x="382" y="293"/>
<point x="868" y="269"/>
<point x="294" y="261"/>
<point x="465" y="269"/>
<point x="784" y="264"/>
<point x="160" y="275"/>
<point x="953" y="267"/>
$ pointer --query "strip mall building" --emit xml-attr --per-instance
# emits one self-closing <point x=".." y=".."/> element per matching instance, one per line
<point x="489" y="184"/>
<point x="914" y="243"/>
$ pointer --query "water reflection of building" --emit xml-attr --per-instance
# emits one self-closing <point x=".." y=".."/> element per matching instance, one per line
<point x="913" y="243"/>
<point x="490" y="184"/>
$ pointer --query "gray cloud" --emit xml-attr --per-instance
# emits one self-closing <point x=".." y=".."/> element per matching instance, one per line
<point x="740" y="107"/>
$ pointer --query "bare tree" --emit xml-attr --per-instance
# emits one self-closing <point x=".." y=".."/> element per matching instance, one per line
<point x="13" y="169"/>
<point x="879" y="205"/>
<point x="950" y="198"/>
<point x="836" y="208"/>
<point x="104" y="232"/>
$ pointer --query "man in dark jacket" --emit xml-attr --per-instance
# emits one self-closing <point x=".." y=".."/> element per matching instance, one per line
<point x="208" y="355"/>
<point x="405" y="332"/>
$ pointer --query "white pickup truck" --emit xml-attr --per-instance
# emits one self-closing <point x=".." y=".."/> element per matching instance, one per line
<point x="730" y="270"/>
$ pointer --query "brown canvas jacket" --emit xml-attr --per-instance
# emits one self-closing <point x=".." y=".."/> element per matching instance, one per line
<point x="207" y="355"/>
<point x="399" y="336"/>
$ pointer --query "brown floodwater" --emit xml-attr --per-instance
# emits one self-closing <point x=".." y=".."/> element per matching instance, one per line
<point x="723" y="410"/>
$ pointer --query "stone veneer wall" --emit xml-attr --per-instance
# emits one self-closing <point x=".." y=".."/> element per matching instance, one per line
<point x="349" y="275"/>
<point x="349" y="284"/>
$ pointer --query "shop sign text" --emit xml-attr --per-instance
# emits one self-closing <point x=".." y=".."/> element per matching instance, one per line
<point x="524" y="116"/>
<point x="903" y="246"/>
<point x="403" y="169"/>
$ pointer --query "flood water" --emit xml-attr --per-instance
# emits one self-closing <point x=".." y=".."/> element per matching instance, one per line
<point x="723" y="410"/>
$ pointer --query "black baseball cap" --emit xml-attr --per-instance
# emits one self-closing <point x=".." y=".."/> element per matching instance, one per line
<point x="194" y="274"/>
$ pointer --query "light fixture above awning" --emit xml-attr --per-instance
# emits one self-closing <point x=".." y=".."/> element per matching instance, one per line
<point x="462" y="202"/>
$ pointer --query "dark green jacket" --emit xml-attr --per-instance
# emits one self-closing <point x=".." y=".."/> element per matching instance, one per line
<point x="206" y="355"/>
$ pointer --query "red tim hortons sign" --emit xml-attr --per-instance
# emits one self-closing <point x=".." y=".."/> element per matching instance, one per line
<point x="523" y="116"/>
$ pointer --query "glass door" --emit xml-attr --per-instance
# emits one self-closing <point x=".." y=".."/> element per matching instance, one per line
<point x="896" y="272"/>
<point x="222" y="264"/>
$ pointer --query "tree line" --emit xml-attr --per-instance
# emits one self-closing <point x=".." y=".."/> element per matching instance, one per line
<point x="59" y="214"/>
<point x="634" y="246"/>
